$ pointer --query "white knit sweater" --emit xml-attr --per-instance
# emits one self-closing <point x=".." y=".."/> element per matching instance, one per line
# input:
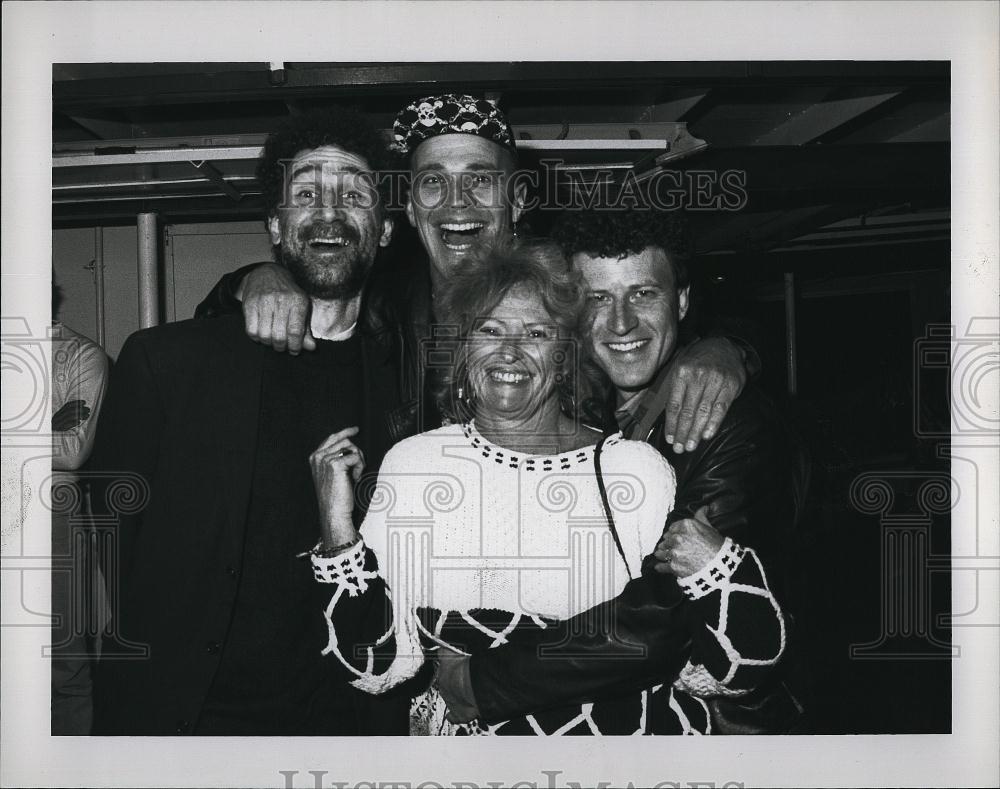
<point x="506" y="531"/>
<point x="466" y="541"/>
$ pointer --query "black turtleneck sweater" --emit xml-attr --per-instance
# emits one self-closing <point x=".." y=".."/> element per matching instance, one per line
<point x="272" y="679"/>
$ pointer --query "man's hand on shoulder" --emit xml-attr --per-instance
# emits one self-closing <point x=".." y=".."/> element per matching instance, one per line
<point x="276" y="310"/>
<point x="703" y="381"/>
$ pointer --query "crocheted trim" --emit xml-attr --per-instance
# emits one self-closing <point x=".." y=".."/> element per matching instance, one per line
<point x="505" y="457"/>
<point x="715" y="574"/>
<point x="695" y="678"/>
<point x="346" y="570"/>
<point x="699" y="682"/>
<point x="736" y="659"/>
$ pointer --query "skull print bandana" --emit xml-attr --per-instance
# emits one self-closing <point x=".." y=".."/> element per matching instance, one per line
<point x="449" y="113"/>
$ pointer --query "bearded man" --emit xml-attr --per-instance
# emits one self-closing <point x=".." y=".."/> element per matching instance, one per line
<point x="465" y="195"/>
<point x="220" y="429"/>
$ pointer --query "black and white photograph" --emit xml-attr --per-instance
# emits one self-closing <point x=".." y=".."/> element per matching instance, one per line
<point x="558" y="370"/>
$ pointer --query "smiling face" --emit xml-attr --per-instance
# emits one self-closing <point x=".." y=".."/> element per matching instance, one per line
<point x="511" y="369"/>
<point x="330" y="224"/>
<point x="632" y="314"/>
<point x="458" y="199"/>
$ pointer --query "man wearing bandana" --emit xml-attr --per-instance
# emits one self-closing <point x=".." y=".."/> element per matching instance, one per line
<point x="461" y="156"/>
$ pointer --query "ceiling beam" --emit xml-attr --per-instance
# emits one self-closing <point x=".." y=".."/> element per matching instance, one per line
<point x="829" y="167"/>
<point x="348" y="79"/>
<point x="104" y="128"/>
<point x="828" y="113"/>
<point x="881" y="121"/>
<point x="212" y="173"/>
<point x="758" y="232"/>
<point x="936" y="128"/>
<point x="189" y="209"/>
<point x="675" y="108"/>
<point x="850" y="285"/>
<point x="98" y="158"/>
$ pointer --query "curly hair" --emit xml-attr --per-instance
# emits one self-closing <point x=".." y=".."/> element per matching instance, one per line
<point x="476" y="290"/>
<point x="347" y="129"/>
<point x="618" y="234"/>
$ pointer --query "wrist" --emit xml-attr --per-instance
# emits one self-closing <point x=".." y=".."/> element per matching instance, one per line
<point x="338" y="531"/>
<point x="327" y="549"/>
<point x="748" y="355"/>
<point x="350" y="570"/>
<point x="715" y="574"/>
<point x="738" y="347"/>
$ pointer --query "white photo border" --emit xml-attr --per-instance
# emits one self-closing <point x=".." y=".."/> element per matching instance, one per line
<point x="36" y="35"/>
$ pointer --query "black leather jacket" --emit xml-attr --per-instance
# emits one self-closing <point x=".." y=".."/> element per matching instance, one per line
<point x="395" y="311"/>
<point x="752" y="476"/>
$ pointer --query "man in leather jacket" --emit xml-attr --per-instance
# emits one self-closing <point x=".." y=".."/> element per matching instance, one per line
<point x="399" y="298"/>
<point x="460" y="141"/>
<point x="748" y="480"/>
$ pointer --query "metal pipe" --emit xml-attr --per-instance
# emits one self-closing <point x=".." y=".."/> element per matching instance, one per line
<point x="99" y="282"/>
<point x="152" y="182"/>
<point x="252" y="152"/>
<point x="149" y="285"/>
<point x="144" y="197"/>
<point x="157" y="156"/>
<point x="791" y="350"/>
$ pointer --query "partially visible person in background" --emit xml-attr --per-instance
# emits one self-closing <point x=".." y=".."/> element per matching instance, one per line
<point x="79" y="377"/>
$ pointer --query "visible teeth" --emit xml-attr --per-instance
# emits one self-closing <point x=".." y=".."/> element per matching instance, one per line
<point x="507" y="377"/>
<point x="454" y="226"/>
<point x="339" y="241"/>
<point x="625" y="347"/>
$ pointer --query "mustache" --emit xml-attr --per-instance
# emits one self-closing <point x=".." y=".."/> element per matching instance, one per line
<point x="327" y="230"/>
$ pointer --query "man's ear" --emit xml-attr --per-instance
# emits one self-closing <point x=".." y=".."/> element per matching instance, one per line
<point x="682" y="302"/>
<point x="274" y="230"/>
<point x="518" y="200"/>
<point x="409" y="210"/>
<point x="387" y="227"/>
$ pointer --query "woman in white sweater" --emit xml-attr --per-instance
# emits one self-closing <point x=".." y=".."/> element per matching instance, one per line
<point x="510" y="517"/>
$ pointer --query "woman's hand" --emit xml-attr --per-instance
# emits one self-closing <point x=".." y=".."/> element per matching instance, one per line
<point x="336" y="465"/>
<point x="688" y="545"/>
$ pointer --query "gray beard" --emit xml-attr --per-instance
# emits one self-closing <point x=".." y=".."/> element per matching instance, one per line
<point x="305" y="276"/>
